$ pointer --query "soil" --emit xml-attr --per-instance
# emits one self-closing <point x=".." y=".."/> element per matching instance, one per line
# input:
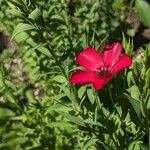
<point x="5" y="42"/>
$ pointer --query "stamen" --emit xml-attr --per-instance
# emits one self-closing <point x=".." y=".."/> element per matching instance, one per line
<point x="102" y="72"/>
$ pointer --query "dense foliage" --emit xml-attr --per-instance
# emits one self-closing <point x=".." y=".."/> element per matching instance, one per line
<point x="39" y="108"/>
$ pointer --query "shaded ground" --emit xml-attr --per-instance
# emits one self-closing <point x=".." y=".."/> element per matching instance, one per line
<point x="142" y="35"/>
<point x="5" y="42"/>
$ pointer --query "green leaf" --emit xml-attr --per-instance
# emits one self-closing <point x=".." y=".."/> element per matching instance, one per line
<point x="74" y="95"/>
<point x="30" y="96"/>
<point x="2" y="83"/>
<point x="81" y="91"/>
<point x="127" y="44"/>
<point x="57" y="17"/>
<point x="118" y="4"/>
<point x="89" y="143"/>
<point x="91" y="96"/>
<point x="66" y="91"/>
<point x="135" y="104"/>
<point x="89" y="121"/>
<point x="84" y="40"/>
<point x="143" y="147"/>
<point x="10" y="84"/>
<point x="16" y="3"/>
<point x="124" y="40"/>
<point x="61" y="124"/>
<point x="21" y="37"/>
<point x="134" y="91"/>
<point x="143" y="10"/>
<point x="147" y="79"/>
<point x="44" y="50"/>
<point x="40" y="47"/>
<point x="102" y="44"/>
<point x="58" y="96"/>
<point x="76" y="120"/>
<point x="58" y="107"/>
<point x="35" y="14"/>
<point x="21" y="27"/>
<point x="10" y="97"/>
<point x="15" y="12"/>
<point x="144" y="110"/>
<point x="135" y="145"/>
<point x="60" y="79"/>
<point x="6" y="113"/>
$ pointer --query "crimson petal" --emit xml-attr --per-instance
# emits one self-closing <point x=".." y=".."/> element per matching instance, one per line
<point x="90" y="59"/>
<point x="99" y="83"/>
<point x="111" y="54"/>
<point x="82" y="77"/>
<point x="124" y="62"/>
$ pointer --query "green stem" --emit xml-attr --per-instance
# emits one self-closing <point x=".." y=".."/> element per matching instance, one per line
<point x="57" y="61"/>
<point x="53" y="55"/>
<point x="149" y="137"/>
<point x="73" y="91"/>
<point x="97" y="98"/>
<point x="74" y="97"/>
<point x="110" y="93"/>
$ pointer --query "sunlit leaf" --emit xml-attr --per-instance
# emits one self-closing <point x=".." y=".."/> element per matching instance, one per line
<point x="60" y="79"/>
<point x="76" y="120"/>
<point x="91" y="96"/>
<point x="5" y="113"/>
<point x="91" y="142"/>
<point x="21" y="27"/>
<point x="35" y="14"/>
<point x="143" y="10"/>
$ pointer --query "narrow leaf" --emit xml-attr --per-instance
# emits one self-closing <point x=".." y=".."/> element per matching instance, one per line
<point x="76" y="120"/>
<point x="89" y="143"/>
<point x="21" y="27"/>
<point x="35" y="14"/>
<point x="135" y="104"/>
<point x="5" y="113"/>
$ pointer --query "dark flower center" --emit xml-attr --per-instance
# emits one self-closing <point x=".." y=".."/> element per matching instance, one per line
<point x="102" y="71"/>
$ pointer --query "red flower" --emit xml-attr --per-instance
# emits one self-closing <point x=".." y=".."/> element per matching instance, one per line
<point x="100" y="67"/>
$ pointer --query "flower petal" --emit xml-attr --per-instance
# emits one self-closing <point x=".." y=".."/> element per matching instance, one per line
<point x="124" y="62"/>
<point x="111" y="54"/>
<point x="101" y="82"/>
<point x="82" y="77"/>
<point x="90" y="59"/>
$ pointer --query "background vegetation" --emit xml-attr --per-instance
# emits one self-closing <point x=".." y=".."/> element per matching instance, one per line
<point x="39" y="109"/>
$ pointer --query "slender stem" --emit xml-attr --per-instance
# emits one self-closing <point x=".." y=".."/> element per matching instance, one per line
<point x="96" y="98"/>
<point x="110" y="93"/>
<point x="74" y="97"/>
<point x="59" y="64"/>
<point x="57" y="61"/>
<point x="149" y="137"/>
<point x="95" y="117"/>
<point x="74" y="92"/>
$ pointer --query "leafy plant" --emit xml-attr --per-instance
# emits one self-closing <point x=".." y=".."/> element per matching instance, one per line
<point x="39" y="107"/>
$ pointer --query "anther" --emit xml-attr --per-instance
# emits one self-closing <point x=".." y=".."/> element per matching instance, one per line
<point x="102" y="72"/>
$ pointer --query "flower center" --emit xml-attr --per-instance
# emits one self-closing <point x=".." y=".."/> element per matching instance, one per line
<point x="102" y="71"/>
